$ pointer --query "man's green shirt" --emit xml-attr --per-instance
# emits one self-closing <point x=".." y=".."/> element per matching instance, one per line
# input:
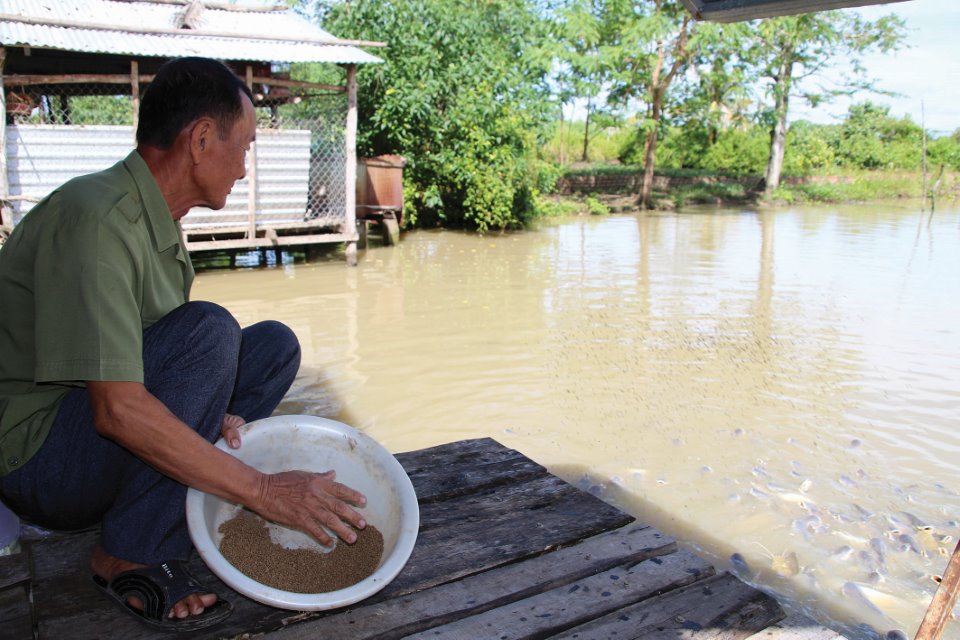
<point x="81" y="277"/>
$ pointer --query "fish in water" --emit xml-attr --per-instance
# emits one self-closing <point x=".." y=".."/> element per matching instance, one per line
<point x="793" y="498"/>
<point x="879" y="548"/>
<point x="740" y="566"/>
<point x="847" y="481"/>
<point x="843" y="552"/>
<point x="869" y="561"/>
<point x="909" y="543"/>
<point x="863" y="513"/>
<point x="783" y="564"/>
<point x="810" y="524"/>
<point x="873" y="599"/>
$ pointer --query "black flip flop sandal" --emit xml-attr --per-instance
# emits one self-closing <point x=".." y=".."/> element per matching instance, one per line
<point x="159" y="588"/>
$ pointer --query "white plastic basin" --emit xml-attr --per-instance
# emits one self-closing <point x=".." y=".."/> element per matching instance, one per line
<point x="309" y="443"/>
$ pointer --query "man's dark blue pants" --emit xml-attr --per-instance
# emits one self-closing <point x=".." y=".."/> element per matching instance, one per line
<point x="201" y="365"/>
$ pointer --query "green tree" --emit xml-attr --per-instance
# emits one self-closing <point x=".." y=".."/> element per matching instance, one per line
<point x="791" y="49"/>
<point x="717" y="93"/>
<point x="737" y="150"/>
<point x="809" y="148"/>
<point x="657" y="41"/>
<point x="462" y="94"/>
<point x="945" y="150"/>
<point x="870" y="138"/>
<point x="580" y="33"/>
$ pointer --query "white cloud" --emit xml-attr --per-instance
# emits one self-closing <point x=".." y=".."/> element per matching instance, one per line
<point x="927" y="70"/>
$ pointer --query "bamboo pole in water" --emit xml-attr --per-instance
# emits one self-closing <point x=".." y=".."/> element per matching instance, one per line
<point x="938" y="613"/>
<point x="923" y="156"/>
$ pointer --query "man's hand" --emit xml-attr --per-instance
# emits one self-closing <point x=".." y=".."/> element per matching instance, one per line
<point x="131" y="416"/>
<point x="306" y="501"/>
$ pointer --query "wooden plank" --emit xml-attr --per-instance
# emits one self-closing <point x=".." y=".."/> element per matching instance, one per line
<point x="478" y="593"/>
<point x="547" y="613"/>
<point x="504" y="524"/>
<point x="350" y="171"/>
<point x="253" y="185"/>
<point x="15" y="620"/>
<point x="14" y="570"/>
<point x="16" y="614"/>
<point x="477" y="465"/>
<point x="797" y="627"/>
<point x="721" y="607"/>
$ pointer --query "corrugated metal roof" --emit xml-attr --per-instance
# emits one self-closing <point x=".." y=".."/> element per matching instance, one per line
<point x="151" y="29"/>
<point x="736" y="10"/>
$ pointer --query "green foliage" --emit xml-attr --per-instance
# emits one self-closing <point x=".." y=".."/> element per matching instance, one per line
<point x="862" y="186"/>
<point x="604" y="142"/>
<point x="809" y="148"/>
<point x="869" y="138"/>
<point x="461" y="95"/>
<point x="717" y="193"/>
<point x="790" y="49"/>
<point x="872" y="139"/>
<point x="469" y="89"/>
<point x="117" y="110"/>
<point x="595" y="207"/>
<point x="678" y="148"/>
<point x="944" y="151"/>
<point x="86" y="110"/>
<point x="555" y="207"/>
<point x="738" y="151"/>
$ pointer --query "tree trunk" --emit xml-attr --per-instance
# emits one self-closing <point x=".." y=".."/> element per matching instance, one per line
<point x="562" y="140"/>
<point x="778" y="136"/>
<point x="585" y="156"/>
<point x="650" y="154"/>
<point x="657" y="91"/>
<point x="650" y="142"/>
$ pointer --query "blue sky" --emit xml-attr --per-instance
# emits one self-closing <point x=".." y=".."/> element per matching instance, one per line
<point x="927" y="70"/>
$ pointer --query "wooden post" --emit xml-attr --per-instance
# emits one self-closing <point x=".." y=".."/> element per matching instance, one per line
<point x="350" y="223"/>
<point x="6" y="213"/>
<point x="941" y="607"/>
<point x="923" y="156"/>
<point x="251" y="176"/>
<point x="135" y="94"/>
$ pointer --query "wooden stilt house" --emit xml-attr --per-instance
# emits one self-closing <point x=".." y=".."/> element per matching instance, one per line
<point x="71" y="76"/>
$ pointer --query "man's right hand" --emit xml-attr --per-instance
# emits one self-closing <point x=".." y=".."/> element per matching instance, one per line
<point x="130" y="415"/>
<point x="305" y="501"/>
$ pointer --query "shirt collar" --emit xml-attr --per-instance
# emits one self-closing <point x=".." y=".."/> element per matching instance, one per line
<point x="166" y="232"/>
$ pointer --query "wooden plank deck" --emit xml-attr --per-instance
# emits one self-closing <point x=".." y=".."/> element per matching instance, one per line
<point x="505" y="550"/>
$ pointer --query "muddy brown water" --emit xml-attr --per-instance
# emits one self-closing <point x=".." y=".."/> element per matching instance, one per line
<point x="779" y="389"/>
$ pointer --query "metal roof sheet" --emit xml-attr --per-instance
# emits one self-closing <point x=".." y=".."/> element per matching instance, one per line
<point x="736" y="10"/>
<point x="145" y="28"/>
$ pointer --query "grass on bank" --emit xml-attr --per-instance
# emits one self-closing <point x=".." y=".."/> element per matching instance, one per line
<point x="719" y="188"/>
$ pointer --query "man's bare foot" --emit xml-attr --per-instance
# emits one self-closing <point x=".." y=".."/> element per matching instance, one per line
<point x="229" y="429"/>
<point x="108" y="567"/>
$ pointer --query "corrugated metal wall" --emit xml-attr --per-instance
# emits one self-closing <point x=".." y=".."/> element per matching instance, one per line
<point x="42" y="157"/>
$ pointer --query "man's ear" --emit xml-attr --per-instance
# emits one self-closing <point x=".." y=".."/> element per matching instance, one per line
<point x="200" y="134"/>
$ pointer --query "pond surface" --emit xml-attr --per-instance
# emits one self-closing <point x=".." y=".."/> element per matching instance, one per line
<point x="779" y="389"/>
